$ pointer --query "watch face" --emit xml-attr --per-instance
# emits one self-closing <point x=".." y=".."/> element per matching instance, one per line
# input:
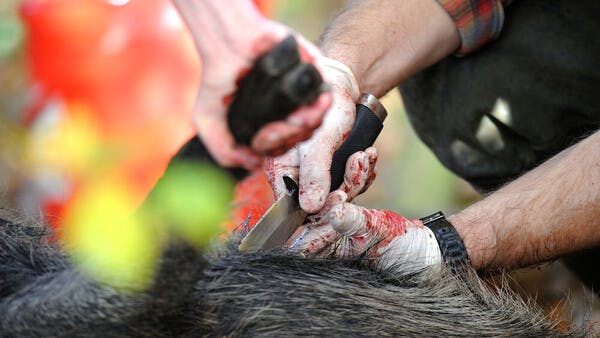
<point x="432" y="218"/>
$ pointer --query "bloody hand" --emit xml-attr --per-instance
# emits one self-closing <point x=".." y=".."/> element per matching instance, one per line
<point x="278" y="83"/>
<point x="348" y="230"/>
<point x="231" y="35"/>
<point x="310" y="161"/>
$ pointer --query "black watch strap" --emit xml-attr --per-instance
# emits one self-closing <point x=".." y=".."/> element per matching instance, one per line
<point x="451" y="245"/>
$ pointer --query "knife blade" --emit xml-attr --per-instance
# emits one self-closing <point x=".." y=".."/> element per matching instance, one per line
<point x="282" y="219"/>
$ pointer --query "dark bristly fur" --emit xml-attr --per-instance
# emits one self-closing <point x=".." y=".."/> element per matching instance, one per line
<point x="42" y="295"/>
<point x="232" y="294"/>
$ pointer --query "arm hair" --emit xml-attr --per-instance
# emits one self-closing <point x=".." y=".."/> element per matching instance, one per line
<point x="386" y="41"/>
<point x="551" y="211"/>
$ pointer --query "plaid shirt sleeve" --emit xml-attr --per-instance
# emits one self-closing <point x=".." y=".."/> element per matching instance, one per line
<point x="478" y="21"/>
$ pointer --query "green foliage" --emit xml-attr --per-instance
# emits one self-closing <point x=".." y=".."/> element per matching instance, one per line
<point x="11" y="30"/>
<point x="11" y="34"/>
<point x="192" y="199"/>
<point x="119" y="247"/>
<point x="107" y="240"/>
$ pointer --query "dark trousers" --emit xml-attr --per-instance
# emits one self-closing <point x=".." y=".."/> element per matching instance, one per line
<point x="499" y="112"/>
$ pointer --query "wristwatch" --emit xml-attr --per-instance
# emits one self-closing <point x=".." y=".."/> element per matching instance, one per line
<point x="451" y="245"/>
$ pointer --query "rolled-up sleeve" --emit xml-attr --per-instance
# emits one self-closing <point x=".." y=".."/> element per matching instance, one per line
<point x="477" y="21"/>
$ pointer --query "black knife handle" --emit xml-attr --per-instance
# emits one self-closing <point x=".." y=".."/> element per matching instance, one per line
<point x="370" y="114"/>
<point x="277" y="84"/>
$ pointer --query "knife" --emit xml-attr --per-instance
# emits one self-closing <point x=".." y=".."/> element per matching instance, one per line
<point x="282" y="219"/>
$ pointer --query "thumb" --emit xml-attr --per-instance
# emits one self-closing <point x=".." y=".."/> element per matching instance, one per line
<point x="316" y="154"/>
<point x="403" y="246"/>
<point x="315" y="177"/>
<point x="353" y="220"/>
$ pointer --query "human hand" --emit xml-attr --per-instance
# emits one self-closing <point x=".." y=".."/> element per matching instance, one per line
<point x="310" y="160"/>
<point x="230" y="36"/>
<point x="343" y="229"/>
<point x="392" y="242"/>
<point x="359" y="173"/>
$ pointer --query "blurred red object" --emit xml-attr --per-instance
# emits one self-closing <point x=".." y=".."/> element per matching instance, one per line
<point x="252" y="198"/>
<point x="131" y="64"/>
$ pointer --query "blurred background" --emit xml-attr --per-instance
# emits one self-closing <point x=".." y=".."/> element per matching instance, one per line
<point x="96" y="96"/>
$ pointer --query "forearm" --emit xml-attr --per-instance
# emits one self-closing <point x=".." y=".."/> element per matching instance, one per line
<point x="215" y="25"/>
<point x="551" y="211"/>
<point x="386" y="41"/>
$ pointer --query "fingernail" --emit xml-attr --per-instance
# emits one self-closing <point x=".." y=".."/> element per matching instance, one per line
<point x="272" y="137"/>
<point x="296" y="121"/>
<point x="309" y="202"/>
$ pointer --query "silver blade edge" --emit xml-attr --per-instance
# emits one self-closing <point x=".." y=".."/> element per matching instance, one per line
<point x="275" y="227"/>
